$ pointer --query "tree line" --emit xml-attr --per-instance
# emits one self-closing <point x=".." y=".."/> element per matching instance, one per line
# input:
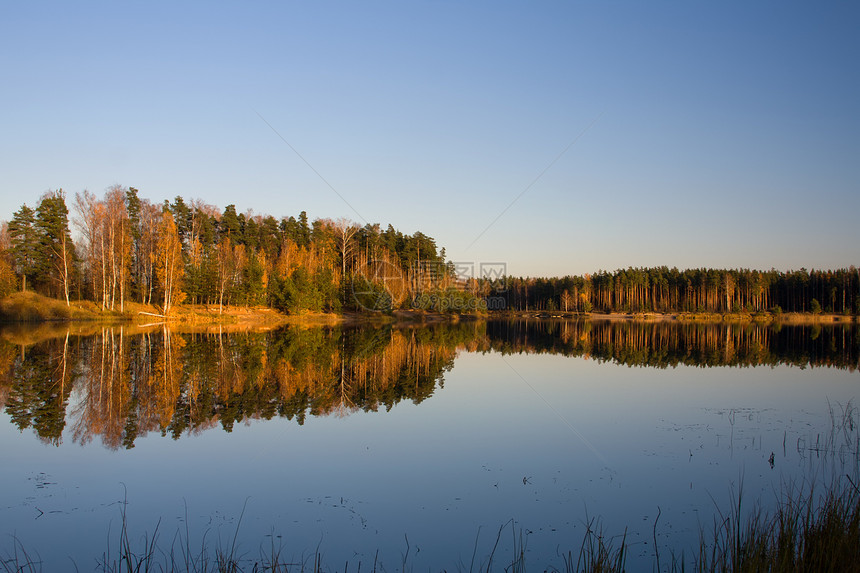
<point x="665" y="290"/>
<point x="131" y="249"/>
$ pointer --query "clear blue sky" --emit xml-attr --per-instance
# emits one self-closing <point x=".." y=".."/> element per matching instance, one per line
<point x="720" y="134"/>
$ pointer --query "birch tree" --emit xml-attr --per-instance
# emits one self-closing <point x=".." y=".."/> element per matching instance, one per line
<point x="168" y="262"/>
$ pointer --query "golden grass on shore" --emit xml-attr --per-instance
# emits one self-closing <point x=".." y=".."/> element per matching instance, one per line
<point x="809" y="318"/>
<point x="30" y="307"/>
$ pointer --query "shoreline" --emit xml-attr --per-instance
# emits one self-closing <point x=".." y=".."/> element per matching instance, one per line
<point x="30" y="308"/>
<point x="762" y="318"/>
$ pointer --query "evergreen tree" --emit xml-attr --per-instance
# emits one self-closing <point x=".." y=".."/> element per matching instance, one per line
<point x="23" y="239"/>
<point x="133" y="207"/>
<point x="304" y="230"/>
<point x="55" y="258"/>
<point x="229" y="225"/>
<point x="182" y="217"/>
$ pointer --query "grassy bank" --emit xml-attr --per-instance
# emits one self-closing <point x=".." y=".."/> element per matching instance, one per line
<point x="809" y="531"/>
<point x="29" y="307"/>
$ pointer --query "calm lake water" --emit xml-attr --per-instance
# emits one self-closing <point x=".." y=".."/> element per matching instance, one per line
<point x="379" y="444"/>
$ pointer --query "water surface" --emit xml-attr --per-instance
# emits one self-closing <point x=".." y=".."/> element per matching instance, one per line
<point x="378" y="443"/>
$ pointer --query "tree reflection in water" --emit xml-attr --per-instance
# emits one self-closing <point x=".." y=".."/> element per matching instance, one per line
<point x="119" y="383"/>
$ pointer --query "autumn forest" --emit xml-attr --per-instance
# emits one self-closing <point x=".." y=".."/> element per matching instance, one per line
<point x="129" y="249"/>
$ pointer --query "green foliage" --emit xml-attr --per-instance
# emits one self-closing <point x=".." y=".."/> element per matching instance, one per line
<point x="182" y="216"/>
<point x="32" y="401"/>
<point x="815" y="306"/>
<point x="296" y="294"/>
<point x="367" y="295"/>
<point x="41" y="248"/>
<point x="56" y="252"/>
<point x="308" y="296"/>
<point x="253" y="291"/>
<point x="282" y="293"/>
<point x="200" y="280"/>
<point x="329" y="289"/>
<point x="229" y="225"/>
<point x="24" y="243"/>
<point x="250" y="232"/>
<point x="304" y="231"/>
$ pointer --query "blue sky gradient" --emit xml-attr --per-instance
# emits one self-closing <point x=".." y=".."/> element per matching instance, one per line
<point x="705" y="134"/>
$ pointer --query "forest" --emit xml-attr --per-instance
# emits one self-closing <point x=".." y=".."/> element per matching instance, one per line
<point x="129" y="249"/>
<point x="665" y="290"/>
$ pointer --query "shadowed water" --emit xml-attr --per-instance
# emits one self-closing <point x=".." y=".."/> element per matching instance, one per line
<point x="417" y="442"/>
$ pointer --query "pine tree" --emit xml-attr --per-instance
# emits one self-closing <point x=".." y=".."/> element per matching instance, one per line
<point x="229" y="225"/>
<point x="56" y="251"/>
<point x="133" y="207"/>
<point x="24" y="243"/>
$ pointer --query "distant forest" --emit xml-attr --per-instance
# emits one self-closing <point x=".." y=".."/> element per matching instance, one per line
<point x="666" y="290"/>
<point x="130" y="249"/>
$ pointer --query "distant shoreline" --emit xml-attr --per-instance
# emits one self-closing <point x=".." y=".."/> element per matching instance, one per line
<point x="766" y="318"/>
<point x="28" y="307"/>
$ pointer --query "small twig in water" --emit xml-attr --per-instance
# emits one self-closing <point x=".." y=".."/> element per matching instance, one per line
<point x="406" y="555"/>
<point x="656" y="547"/>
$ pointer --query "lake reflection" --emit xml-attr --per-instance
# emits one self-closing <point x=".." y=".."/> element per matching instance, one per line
<point x="120" y="385"/>
<point x="353" y="437"/>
